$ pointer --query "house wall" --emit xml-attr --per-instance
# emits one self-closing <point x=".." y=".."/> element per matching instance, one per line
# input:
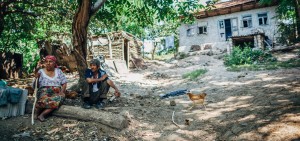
<point x="119" y="47"/>
<point x="213" y="36"/>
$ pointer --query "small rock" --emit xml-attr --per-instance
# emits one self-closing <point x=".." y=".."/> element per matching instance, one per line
<point x="138" y="96"/>
<point x="172" y="103"/>
<point x="57" y="137"/>
<point x="243" y="124"/>
<point x="188" y="121"/>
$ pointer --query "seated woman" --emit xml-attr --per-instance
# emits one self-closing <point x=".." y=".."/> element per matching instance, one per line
<point x="52" y="85"/>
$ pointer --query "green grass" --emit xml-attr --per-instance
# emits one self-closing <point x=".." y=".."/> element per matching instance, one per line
<point x="163" y="57"/>
<point x="292" y="63"/>
<point x="194" y="74"/>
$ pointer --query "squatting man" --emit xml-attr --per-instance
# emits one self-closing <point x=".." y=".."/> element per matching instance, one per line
<point x="98" y="86"/>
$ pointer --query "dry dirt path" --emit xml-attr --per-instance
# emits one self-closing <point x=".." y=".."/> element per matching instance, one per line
<point x="260" y="105"/>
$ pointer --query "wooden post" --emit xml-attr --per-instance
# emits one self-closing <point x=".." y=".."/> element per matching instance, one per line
<point x="123" y="52"/>
<point x="109" y="47"/>
<point x="127" y="61"/>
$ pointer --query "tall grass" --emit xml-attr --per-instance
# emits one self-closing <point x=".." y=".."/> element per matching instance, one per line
<point x="194" y="74"/>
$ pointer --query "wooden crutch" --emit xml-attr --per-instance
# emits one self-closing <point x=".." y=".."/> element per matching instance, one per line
<point x="35" y="99"/>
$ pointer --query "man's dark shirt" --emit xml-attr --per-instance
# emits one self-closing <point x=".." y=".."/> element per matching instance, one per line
<point x="89" y="74"/>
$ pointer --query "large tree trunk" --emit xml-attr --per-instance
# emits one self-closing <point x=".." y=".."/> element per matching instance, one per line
<point x="79" y="33"/>
<point x="106" y="118"/>
<point x="1" y="24"/>
<point x="2" y="12"/>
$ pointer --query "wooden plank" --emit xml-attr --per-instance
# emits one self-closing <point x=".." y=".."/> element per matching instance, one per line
<point x="123" y="57"/>
<point x="110" y="68"/>
<point x="110" y="64"/>
<point x="121" y="66"/>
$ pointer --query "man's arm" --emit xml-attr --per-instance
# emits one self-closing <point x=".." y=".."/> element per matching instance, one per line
<point x="111" y="83"/>
<point x="94" y="80"/>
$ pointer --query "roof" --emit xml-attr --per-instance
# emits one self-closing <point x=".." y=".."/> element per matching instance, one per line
<point x="124" y="34"/>
<point x="103" y="38"/>
<point x="232" y="6"/>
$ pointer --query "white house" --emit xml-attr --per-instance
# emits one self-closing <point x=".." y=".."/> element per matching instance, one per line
<point x="231" y="23"/>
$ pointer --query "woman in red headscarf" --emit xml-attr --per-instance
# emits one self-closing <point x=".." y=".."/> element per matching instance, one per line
<point x="51" y="88"/>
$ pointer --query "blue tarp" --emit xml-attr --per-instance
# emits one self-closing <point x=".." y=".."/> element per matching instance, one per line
<point x="3" y="83"/>
<point x="174" y="93"/>
<point x="10" y="94"/>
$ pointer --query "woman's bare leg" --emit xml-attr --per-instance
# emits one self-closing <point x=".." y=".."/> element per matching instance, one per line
<point x="37" y="112"/>
<point x="41" y="117"/>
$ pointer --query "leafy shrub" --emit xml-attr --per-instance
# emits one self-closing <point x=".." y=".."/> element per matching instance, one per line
<point x="247" y="55"/>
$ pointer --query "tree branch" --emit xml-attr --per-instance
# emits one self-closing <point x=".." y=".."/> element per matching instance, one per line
<point x="97" y="6"/>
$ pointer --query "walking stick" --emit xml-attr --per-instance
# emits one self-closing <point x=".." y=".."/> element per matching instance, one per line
<point x="35" y="99"/>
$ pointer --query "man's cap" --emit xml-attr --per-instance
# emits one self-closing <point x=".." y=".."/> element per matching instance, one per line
<point x="95" y="62"/>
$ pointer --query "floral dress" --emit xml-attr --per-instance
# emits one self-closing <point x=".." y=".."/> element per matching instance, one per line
<point x="49" y="89"/>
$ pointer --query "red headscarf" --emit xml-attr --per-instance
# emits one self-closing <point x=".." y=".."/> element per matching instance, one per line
<point x="53" y="58"/>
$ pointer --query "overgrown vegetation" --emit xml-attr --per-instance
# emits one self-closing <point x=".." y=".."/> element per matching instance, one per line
<point x="247" y="56"/>
<point x="254" y="60"/>
<point x="288" y="15"/>
<point x="194" y="74"/>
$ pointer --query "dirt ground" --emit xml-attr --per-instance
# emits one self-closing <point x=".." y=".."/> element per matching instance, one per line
<point x="248" y="105"/>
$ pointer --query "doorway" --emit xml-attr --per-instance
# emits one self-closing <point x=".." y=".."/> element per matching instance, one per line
<point x="228" y="31"/>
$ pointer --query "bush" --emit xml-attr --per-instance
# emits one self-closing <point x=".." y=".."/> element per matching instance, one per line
<point x="247" y="55"/>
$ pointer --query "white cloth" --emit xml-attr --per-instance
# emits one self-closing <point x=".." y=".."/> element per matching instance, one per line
<point x="170" y="42"/>
<point x="95" y="88"/>
<point x="58" y="79"/>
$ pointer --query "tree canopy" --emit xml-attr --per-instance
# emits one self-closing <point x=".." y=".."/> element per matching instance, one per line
<point x="23" y="23"/>
<point x="288" y="14"/>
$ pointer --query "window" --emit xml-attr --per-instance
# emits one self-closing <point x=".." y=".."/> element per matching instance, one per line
<point x="262" y="19"/>
<point x="190" y="32"/>
<point x="247" y="21"/>
<point x="202" y="30"/>
<point x="221" y="24"/>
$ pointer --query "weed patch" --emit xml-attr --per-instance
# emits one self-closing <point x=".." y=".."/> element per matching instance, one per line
<point x="194" y="74"/>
